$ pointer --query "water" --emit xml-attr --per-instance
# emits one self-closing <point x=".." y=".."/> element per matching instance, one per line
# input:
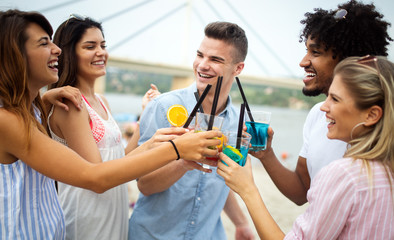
<point x="286" y="123"/>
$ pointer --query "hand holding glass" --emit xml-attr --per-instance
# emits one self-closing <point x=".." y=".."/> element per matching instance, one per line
<point x="237" y="153"/>
<point x="259" y="130"/>
<point x="202" y="121"/>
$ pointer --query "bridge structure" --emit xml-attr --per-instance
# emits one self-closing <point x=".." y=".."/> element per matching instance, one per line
<point x="191" y="10"/>
<point x="183" y="76"/>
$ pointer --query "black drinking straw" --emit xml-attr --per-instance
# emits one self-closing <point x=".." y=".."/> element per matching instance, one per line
<point x="199" y="102"/>
<point x="197" y="98"/>
<point x="240" y="125"/>
<point x="244" y="98"/>
<point x="215" y="103"/>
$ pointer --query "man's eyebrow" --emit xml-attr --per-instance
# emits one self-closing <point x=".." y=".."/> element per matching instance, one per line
<point x="217" y="58"/>
<point x="313" y="45"/>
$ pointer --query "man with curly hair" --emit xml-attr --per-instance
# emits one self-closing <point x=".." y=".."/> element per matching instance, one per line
<point x="354" y="29"/>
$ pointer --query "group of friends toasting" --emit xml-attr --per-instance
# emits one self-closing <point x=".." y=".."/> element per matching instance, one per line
<point x="67" y="135"/>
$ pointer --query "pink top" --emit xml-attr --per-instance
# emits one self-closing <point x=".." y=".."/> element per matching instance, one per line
<point x="344" y="206"/>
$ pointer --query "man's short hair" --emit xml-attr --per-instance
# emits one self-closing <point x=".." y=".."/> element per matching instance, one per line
<point x="232" y="34"/>
<point x="362" y="31"/>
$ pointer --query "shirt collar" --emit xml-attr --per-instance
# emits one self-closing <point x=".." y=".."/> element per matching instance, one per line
<point x="193" y="88"/>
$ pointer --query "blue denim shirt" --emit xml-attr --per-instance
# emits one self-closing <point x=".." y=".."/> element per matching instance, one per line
<point x="190" y="208"/>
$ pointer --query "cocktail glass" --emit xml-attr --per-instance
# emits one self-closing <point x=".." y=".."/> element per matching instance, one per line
<point x="236" y="147"/>
<point x="259" y="130"/>
<point x="202" y="120"/>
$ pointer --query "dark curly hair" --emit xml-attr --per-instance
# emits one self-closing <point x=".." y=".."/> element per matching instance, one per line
<point x="361" y="32"/>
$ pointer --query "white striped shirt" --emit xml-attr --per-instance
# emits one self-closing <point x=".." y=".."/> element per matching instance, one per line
<point x="344" y="204"/>
<point x="29" y="206"/>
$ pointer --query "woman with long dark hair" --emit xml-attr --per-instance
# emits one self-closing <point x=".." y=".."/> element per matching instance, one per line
<point x="30" y="161"/>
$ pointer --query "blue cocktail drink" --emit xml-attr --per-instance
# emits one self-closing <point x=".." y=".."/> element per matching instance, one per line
<point x="259" y="133"/>
<point x="237" y="148"/>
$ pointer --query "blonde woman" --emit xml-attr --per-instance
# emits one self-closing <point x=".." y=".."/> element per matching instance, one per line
<point x="351" y="198"/>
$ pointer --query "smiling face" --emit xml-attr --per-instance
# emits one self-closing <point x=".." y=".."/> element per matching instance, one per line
<point x="42" y="56"/>
<point x="91" y="54"/>
<point x="319" y="67"/>
<point x="215" y="58"/>
<point x="341" y="112"/>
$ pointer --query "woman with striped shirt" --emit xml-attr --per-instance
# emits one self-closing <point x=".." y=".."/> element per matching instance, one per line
<point x="351" y="198"/>
<point x="30" y="160"/>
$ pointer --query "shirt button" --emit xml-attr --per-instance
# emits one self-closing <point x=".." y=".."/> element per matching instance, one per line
<point x="203" y="173"/>
<point x="192" y="222"/>
<point x="198" y="198"/>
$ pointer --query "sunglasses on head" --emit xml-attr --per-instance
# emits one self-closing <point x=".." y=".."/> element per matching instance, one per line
<point x="78" y="17"/>
<point x="340" y="14"/>
<point x="371" y="61"/>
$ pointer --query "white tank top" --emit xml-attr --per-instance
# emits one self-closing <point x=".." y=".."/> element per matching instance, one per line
<point x="90" y="215"/>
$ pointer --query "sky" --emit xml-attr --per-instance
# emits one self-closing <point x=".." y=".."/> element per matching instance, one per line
<point x="170" y="31"/>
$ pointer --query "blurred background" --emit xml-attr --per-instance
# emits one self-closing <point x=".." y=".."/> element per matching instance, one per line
<point x="155" y="41"/>
<point x="170" y="31"/>
<point x="152" y="41"/>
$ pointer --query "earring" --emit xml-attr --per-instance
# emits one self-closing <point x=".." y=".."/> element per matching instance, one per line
<point x="356" y="126"/>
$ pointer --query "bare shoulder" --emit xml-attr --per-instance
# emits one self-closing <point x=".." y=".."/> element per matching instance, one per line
<point x="12" y="135"/>
<point x="60" y="113"/>
<point x="9" y="122"/>
<point x="61" y="118"/>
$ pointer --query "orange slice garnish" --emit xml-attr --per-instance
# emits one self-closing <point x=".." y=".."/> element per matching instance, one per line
<point x="177" y="115"/>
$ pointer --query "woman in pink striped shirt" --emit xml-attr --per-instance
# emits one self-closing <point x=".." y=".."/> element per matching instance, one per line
<point x="351" y="198"/>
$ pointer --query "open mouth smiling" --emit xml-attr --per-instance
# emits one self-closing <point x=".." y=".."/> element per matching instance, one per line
<point x="204" y="75"/>
<point x="53" y="64"/>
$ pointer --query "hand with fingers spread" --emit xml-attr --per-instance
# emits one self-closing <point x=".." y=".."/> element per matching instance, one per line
<point x="150" y="95"/>
<point x="56" y="97"/>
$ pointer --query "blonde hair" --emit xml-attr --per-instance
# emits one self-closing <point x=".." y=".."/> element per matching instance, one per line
<point x="372" y="84"/>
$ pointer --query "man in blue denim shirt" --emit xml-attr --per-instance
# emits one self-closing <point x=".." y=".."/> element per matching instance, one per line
<point x="182" y="200"/>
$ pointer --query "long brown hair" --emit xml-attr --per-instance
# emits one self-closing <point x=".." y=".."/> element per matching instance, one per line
<point x="68" y="34"/>
<point x="14" y="91"/>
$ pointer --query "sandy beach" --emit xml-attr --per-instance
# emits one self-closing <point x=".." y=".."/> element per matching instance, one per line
<point x="282" y="210"/>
